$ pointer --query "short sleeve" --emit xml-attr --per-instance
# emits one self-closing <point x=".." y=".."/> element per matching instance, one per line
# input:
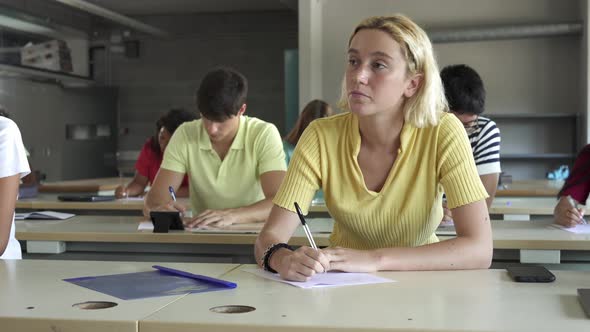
<point x="303" y="177"/>
<point x="486" y="152"/>
<point x="14" y="158"/>
<point x="456" y="167"/>
<point x="269" y="150"/>
<point x="176" y="153"/>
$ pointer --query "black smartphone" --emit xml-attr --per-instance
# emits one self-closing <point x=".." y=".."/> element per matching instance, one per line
<point x="530" y="273"/>
<point x="166" y="220"/>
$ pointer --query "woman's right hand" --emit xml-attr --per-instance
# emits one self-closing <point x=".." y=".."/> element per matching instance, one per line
<point x="121" y="192"/>
<point x="299" y="265"/>
<point x="566" y="215"/>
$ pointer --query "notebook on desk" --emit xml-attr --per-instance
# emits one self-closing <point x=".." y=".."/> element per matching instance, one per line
<point x="85" y="198"/>
<point x="43" y="215"/>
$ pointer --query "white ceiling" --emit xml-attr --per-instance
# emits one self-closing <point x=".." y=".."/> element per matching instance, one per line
<point x="155" y="7"/>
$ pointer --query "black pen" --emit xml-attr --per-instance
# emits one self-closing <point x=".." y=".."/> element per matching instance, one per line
<point x="305" y="227"/>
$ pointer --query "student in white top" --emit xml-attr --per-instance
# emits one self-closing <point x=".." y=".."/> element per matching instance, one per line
<point x="13" y="166"/>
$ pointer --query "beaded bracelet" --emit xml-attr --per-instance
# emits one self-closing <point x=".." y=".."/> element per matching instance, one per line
<point x="268" y="253"/>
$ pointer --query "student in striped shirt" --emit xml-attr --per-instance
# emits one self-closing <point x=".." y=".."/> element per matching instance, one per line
<point x="466" y="96"/>
<point x="382" y="167"/>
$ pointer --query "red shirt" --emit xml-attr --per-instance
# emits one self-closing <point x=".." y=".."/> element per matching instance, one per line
<point x="577" y="184"/>
<point x="149" y="163"/>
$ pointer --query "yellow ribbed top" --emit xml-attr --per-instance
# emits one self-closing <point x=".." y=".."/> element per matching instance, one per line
<point x="408" y="209"/>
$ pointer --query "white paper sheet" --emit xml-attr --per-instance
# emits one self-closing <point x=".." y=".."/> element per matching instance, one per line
<point x="49" y="215"/>
<point x="131" y="199"/>
<point x="579" y="229"/>
<point x="330" y="279"/>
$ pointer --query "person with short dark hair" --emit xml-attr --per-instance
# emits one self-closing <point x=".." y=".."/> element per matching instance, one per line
<point x="235" y="163"/>
<point x="152" y="153"/>
<point x="466" y="95"/>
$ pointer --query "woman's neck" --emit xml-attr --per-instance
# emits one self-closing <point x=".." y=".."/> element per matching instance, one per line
<point x="381" y="131"/>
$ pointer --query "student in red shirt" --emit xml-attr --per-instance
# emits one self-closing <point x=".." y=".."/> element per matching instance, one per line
<point x="577" y="186"/>
<point x="151" y="155"/>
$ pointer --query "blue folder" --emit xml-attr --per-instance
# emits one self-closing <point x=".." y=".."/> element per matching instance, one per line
<point x="162" y="282"/>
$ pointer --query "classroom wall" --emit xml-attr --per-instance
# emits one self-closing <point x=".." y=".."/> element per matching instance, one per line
<point x="43" y="111"/>
<point x="167" y="72"/>
<point x="540" y="75"/>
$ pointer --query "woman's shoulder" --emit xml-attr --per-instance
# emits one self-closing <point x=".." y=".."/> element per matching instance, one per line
<point x="448" y="124"/>
<point x="334" y="122"/>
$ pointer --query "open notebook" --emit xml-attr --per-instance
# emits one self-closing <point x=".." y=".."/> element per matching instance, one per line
<point x="44" y="215"/>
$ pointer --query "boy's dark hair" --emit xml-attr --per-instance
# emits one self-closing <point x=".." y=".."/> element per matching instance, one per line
<point x="464" y="89"/>
<point x="221" y="94"/>
<point x="171" y="121"/>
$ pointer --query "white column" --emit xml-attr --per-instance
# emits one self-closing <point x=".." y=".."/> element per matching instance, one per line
<point x="310" y="51"/>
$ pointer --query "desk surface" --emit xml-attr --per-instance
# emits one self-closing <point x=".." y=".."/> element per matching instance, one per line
<point x="50" y="202"/>
<point x="501" y="205"/>
<point x="531" y="188"/>
<point x="38" y="285"/>
<point x="84" y="185"/>
<point x="522" y="188"/>
<point x="124" y="229"/>
<point x="538" y="234"/>
<point x="481" y="300"/>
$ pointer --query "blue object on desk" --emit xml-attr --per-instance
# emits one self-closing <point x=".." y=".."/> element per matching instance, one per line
<point x="560" y="173"/>
<point x="163" y="282"/>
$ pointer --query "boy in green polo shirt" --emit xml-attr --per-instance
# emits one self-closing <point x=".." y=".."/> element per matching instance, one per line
<point x="235" y="163"/>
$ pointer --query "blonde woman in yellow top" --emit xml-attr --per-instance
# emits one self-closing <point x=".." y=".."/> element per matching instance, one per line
<point x="382" y="167"/>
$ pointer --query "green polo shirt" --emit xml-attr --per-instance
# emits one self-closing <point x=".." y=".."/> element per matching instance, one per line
<point x="235" y="181"/>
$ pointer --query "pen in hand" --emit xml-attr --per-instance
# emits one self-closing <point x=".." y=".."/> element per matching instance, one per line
<point x="573" y="204"/>
<point x="171" y="190"/>
<point x="305" y="227"/>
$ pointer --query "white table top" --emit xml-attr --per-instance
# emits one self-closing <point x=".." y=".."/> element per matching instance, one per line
<point x="481" y="300"/>
<point x="38" y="285"/>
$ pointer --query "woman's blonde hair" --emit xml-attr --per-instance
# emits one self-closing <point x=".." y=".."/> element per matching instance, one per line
<point x="424" y="108"/>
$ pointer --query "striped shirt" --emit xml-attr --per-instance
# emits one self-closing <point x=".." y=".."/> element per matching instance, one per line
<point x="485" y="143"/>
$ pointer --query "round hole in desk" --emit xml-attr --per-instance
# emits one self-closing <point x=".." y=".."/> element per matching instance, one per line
<point x="93" y="305"/>
<point x="232" y="309"/>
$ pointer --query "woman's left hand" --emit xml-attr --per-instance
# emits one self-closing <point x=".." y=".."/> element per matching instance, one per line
<point x="351" y="260"/>
<point x="214" y="218"/>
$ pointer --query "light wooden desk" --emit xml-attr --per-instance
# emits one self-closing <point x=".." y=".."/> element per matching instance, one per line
<point x="511" y="208"/>
<point x="34" y="297"/>
<point x="99" y="237"/>
<point x="481" y="300"/>
<point x="84" y="185"/>
<point x="536" y="241"/>
<point x="532" y="241"/>
<point x="50" y="202"/>
<point x="530" y="188"/>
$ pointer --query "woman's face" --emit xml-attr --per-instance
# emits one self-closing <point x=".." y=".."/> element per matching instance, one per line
<point x="163" y="138"/>
<point x="376" y="79"/>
